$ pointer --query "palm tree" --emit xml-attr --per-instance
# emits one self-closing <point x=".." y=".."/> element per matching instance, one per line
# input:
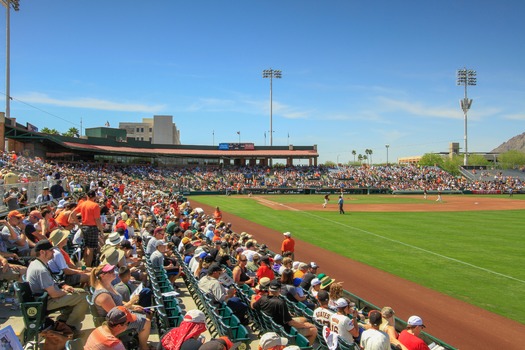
<point x="365" y="157"/>
<point x="360" y="158"/>
<point x="72" y="132"/>
<point x="370" y="155"/>
<point x="354" y="153"/>
<point x="367" y="152"/>
<point x="46" y="130"/>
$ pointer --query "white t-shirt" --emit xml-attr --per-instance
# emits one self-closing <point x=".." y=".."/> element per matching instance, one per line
<point x="58" y="263"/>
<point x="342" y="325"/>
<point x="373" y="339"/>
<point x="323" y="315"/>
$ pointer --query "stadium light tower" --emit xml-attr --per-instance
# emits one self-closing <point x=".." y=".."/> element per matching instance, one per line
<point x="387" y="146"/>
<point x="15" y="4"/>
<point x="466" y="77"/>
<point x="277" y="74"/>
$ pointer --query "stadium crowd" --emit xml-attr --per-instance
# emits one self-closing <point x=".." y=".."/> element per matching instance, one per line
<point x="242" y="179"/>
<point x="121" y="221"/>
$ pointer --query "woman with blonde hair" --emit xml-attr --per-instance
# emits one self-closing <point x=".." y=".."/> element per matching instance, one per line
<point x="389" y="327"/>
<point x="105" y="298"/>
<point x="336" y="292"/>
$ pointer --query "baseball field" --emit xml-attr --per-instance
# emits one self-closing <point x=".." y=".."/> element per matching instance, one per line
<point x="468" y="247"/>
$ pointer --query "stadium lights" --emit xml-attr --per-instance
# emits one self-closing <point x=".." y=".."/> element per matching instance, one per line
<point x="15" y="4"/>
<point x="277" y="74"/>
<point x="466" y="77"/>
<point x="387" y="146"/>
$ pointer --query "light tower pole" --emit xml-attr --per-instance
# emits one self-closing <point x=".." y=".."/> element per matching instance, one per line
<point x="15" y="5"/>
<point x="277" y="74"/>
<point x="387" y="146"/>
<point x="466" y="77"/>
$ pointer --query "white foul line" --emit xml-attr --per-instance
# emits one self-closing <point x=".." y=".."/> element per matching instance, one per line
<point x="411" y="246"/>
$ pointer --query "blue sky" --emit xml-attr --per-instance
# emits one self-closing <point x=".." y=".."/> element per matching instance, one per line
<point x="356" y="74"/>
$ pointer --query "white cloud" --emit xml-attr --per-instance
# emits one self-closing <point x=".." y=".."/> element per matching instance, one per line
<point x="419" y="109"/>
<point x="89" y="103"/>
<point x="515" y="117"/>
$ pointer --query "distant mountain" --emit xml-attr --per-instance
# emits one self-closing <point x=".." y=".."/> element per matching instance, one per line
<point x="515" y="143"/>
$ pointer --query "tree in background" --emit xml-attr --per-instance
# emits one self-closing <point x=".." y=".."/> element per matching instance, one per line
<point x="72" y="132"/>
<point x="431" y="159"/>
<point x="512" y="159"/>
<point x="46" y="130"/>
<point x="354" y="153"/>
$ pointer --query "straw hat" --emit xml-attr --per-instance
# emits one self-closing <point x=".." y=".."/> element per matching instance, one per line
<point x="58" y="236"/>
<point x="112" y="256"/>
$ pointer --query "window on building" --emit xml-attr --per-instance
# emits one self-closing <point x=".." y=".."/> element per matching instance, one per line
<point x="150" y="129"/>
<point x="141" y="129"/>
<point x="138" y="129"/>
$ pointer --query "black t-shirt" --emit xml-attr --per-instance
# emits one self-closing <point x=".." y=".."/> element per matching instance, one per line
<point x="306" y="283"/>
<point x="276" y="308"/>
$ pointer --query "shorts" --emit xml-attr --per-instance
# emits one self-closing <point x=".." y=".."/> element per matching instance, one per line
<point x="72" y="280"/>
<point x="90" y="236"/>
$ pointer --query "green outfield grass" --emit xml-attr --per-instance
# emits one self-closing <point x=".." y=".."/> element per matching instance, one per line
<point x="477" y="256"/>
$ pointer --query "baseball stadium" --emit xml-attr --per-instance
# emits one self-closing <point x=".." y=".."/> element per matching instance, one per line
<point x="419" y="240"/>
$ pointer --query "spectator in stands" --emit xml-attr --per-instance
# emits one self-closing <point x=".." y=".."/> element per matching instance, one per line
<point x="187" y="336"/>
<point x="253" y="266"/>
<point x="287" y="264"/>
<point x="210" y="285"/>
<point x="288" y="245"/>
<point x="157" y="261"/>
<point x="388" y="325"/>
<point x="277" y="263"/>
<point x="61" y="262"/>
<point x="315" y="287"/>
<point x="30" y="224"/>
<point x="276" y="308"/>
<point x="264" y="269"/>
<point x="11" y="199"/>
<point x="71" y="301"/>
<point x="240" y="275"/>
<point x="409" y="337"/>
<point x="223" y="256"/>
<point x="105" y="297"/>
<point x="23" y="200"/>
<point x="104" y="337"/>
<point x="10" y="272"/>
<point x="260" y="290"/>
<point x="322" y="314"/>
<point x="221" y="343"/>
<point x="158" y="234"/>
<point x="310" y="274"/>
<point x="127" y="286"/>
<point x="44" y="197"/>
<point x="57" y="191"/>
<point x="373" y="338"/>
<point x="346" y="328"/>
<point x="67" y="218"/>
<point x="301" y="270"/>
<point x="91" y="225"/>
<point x="336" y="292"/>
<point x="12" y="236"/>
<point x="250" y="250"/>
<point x="272" y="341"/>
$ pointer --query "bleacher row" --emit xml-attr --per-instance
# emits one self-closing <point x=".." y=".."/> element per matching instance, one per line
<point x="223" y="321"/>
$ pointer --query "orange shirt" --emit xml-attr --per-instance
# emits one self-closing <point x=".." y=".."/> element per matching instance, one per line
<point x="90" y="211"/>
<point x="62" y="219"/>
<point x="101" y="339"/>
<point x="288" y="245"/>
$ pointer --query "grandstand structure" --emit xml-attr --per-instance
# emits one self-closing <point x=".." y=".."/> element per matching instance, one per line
<point x="108" y="148"/>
